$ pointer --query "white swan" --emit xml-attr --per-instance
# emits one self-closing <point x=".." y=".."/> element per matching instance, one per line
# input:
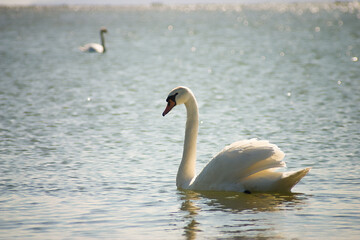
<point x="244" y="166"/>
<point x="95" y="47"/>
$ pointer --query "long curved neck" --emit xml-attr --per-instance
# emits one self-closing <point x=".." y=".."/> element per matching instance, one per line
<point x="102" y="40"/>
<point x="186" y="172"/>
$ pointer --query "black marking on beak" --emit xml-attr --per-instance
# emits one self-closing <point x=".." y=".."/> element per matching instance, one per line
<point x="172" y="98"/>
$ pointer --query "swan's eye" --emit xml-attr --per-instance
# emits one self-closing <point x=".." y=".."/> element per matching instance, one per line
<point x="172" y="98"/>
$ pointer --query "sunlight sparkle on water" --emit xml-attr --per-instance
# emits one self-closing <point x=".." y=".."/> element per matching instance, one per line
<point x="78" y="167"/>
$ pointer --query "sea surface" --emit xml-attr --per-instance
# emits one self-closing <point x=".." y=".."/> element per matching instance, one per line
<point x="86" y="154"/>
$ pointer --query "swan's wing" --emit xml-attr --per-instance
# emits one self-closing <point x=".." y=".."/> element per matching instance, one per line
<point x="237" y="162"/>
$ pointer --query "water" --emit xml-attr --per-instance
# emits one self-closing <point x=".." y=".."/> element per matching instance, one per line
<point x="86" y="154"/>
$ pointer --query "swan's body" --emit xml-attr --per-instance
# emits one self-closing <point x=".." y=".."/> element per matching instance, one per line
<point x="95" y="47"/>
<point x="244" y="166"/>
<point x="92" y="47"/>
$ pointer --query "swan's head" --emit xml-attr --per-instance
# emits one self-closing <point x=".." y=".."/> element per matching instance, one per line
<point x="177" y="96"/>
<point x="103" y="30"/>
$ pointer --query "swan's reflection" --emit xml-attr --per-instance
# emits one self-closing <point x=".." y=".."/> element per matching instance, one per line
<point x="189" y="206"/>
<point x="191" y="203"/>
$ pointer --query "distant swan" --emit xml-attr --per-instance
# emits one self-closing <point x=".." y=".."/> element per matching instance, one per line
<point x="95" y="47"/>
<point x="244" y="166"/>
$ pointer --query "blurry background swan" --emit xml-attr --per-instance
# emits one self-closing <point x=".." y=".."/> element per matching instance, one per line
<point x="95" y="47"/>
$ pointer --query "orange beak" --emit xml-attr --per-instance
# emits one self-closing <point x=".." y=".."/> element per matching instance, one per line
<point x="169" y="106"/>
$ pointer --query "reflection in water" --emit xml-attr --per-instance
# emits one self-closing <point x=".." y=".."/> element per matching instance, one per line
<point x="188" y="205"/>
<point x="234" y="203"/>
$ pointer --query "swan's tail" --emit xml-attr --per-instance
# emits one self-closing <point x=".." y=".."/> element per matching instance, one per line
<point x="270" y="181"/>
<point x="290" y="179"/>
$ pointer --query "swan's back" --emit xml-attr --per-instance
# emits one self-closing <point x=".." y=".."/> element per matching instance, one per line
<point x="246" y="165"/>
